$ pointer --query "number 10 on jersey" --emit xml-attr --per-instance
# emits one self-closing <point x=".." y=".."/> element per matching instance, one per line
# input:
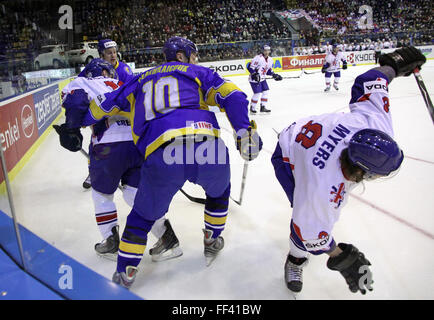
<point x="161" y="96"/>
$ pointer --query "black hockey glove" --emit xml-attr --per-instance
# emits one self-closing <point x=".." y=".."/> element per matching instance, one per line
<point x="403" y="60"/>
<point x="323" y="69"/>
<point x="349" y="263"/>
<point x="344" y="65"/>
<point x="70" y="139"/>
<point x="277" y="77"/>
<point x="248" y="141"/>
<point x="256" y="77"/>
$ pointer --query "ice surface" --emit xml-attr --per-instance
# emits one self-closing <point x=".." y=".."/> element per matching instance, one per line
<point x="397" y="237"/>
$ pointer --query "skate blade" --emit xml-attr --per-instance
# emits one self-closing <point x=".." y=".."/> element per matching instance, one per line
<point x="108" y="256"/>
<point x="169" y="254"/>
<point x="209" y="260"/>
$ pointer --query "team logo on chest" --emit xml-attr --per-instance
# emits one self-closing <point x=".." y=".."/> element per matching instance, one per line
<point x="338" y="193"/>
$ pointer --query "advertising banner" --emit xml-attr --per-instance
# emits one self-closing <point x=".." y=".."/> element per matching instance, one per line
<point x="47" y="107"/>
<point x="360" y="57"/>
<point x="298" y="62"/>
<point x="18" y="129"/>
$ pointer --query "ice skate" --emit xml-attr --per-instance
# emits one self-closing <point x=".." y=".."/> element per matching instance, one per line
<point x="212" y="246"/>
<point x="335" y="86"/>
<point x="264" y="110"/>
<point x="252" y="110"/>
<point x="327" y="89"/>
<point x="109" y="247"/>
<point x="167" y="247"/>
<point x="125" y="279"/>
<point x="86" y="183"/>
<point x="294" y="273"/>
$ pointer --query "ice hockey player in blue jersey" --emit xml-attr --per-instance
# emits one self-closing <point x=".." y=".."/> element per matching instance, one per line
<point x="179" y="136"/>
<point x="114" y="159"/>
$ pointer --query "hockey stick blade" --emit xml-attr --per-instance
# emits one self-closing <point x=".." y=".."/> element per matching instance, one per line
<point x="193" y="199"/>
<point x="424" y="93"/>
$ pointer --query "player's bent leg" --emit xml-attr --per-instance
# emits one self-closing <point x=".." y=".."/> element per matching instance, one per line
<point x="254" y="101"/>
<point x="215" y="180"/>
<point x="107" y="221"/>
<point x="328" y="76"/>
<point x="216" y="211"/>
<point x="167" y="247"/>
<point x="131" y="248"/>
<point x="337" y="76"/>
<point x="296" y="260"/>
<point x="264" y="102"/>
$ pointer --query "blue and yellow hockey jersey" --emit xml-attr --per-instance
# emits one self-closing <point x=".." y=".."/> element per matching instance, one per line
<point x="172" y="100"/>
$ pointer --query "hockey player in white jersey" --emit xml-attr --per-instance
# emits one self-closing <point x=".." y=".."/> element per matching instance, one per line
<point x="114" y="159"/>
<point x="320" y="159"/>
<point x="332" y="66"/>
<point x="259" y="68"/>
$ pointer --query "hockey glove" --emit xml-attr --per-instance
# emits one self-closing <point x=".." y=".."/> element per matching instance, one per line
<point x="324" y="69"/>
<point x="349" y="263"/>
<point x="403" y="60"/>
<point x="344" y="65"/>
<point x="277" y="77"/>
<point x="70" y="139"/>
<point x="248" y="141"/>
<point x="256" y="77"/>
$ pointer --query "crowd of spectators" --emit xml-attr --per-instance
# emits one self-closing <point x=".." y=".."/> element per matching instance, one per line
<point x="223" y="29"/>
<point x="343" y="16"/>
<point x="140" y="24"/>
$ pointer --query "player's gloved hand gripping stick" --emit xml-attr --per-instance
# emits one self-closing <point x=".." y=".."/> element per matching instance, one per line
<point x="406" y="61"/>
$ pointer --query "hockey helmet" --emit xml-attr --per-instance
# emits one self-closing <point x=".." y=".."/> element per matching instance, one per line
<point x="266" y="48"/>
<point x="95" y="68"/>
<point x="375" y="152"/>
<point x="178" y="44"/>
<point x="105" y="44"/>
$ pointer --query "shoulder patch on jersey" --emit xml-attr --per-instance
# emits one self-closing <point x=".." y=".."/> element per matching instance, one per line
<point x="378" y="85"/>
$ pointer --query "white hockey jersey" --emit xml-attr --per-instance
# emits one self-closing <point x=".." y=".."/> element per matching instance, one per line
<point x="334" y="61"/>
<point x="118" y="127"/>
<point x="312" y="146"/>
<point x="262" y="64"/>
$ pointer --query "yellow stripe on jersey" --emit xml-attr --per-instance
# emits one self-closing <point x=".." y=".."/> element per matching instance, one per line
<point x="98" y="113"/>
<point x="203" y="105"/>
<point x="215" y="220"/>
<point x="169" y="134"/>
<point x="132" y="100"/>
<point x="132" y="247"/>
<point x="224" y="90"/>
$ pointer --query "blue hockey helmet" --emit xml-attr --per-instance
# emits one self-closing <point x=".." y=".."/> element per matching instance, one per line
<point x="95" y="68"/>
<point x="375" y="152"/>
<point x="105" y="44"/>
<point x="178" y="44"/>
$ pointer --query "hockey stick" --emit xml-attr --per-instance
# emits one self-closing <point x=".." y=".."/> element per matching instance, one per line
<point x="296" y="77"/>
<point x="424" y="92"/>
<point x="243" y="183"/>
<point x="193" y="199"/>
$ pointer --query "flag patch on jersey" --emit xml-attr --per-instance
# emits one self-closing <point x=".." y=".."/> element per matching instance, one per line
<point x="338" y="193"/>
